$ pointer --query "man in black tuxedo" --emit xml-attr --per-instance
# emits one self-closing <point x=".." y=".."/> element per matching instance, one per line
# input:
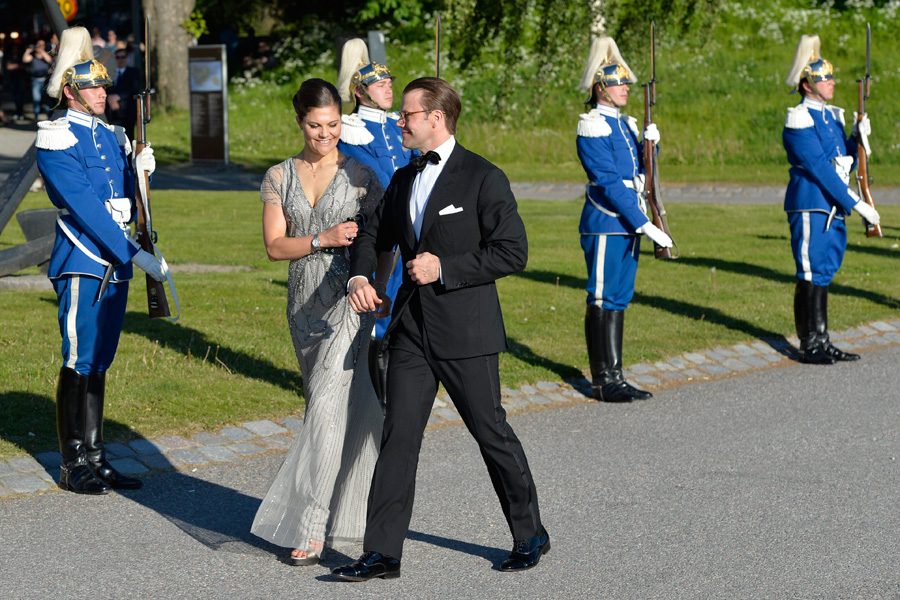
<point x="121" y="108"/>
<point x="455" y="219"/>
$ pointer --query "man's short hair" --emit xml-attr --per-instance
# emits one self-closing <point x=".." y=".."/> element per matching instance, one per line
<point x="437" y="94"/>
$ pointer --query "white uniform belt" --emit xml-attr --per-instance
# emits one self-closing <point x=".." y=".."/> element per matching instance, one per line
<point x="75" y="240"/>
<point x="626" y="182"/>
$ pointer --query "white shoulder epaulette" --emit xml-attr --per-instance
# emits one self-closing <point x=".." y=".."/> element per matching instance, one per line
<point x="55" y="135"/>
<point x="632" y="125"/>
<point x="593" y="124"/>
<point x="394" y="115"/>
<point x="121" y="138"/>
<point x="838" y="113"/>
<point x="798" y="117"/>
<point x="354" y="131"/>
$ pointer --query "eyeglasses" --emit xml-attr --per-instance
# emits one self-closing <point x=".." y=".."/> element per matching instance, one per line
<point x="122" y="56"/>
<point x="404" y="116"/>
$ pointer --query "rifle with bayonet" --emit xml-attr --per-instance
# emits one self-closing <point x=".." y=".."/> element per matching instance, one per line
<point x="157" y="302"/>
<point x="651" y="166"/>
<point x="863" y="179"/>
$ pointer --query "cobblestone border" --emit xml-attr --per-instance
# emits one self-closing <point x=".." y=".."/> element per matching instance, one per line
<point x="26" y="475"/>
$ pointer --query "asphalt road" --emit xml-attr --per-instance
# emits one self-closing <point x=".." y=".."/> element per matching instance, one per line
<point x="777" y="484"/>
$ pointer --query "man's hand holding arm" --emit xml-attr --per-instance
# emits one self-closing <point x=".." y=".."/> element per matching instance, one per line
<point x="361" y="294"/>
<point x="425" y="268"/>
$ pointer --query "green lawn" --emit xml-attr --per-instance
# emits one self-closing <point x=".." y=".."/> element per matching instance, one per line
<point x="230" y="360"/>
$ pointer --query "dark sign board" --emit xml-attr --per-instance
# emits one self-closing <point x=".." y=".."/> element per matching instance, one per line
<point x="208" y="70"/>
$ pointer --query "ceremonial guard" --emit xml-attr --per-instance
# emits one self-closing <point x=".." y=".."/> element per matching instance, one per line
<point x="818" y="197"/>
<point x="370" y="134"/>
<point x="613" y="217"/>
<point x="85" y="166"/>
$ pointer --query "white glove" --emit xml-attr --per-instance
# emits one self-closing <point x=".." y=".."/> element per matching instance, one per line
<point x="148" y="263"/>
<point x="863" y="126"/>
<point x="656" y="234"/>
<point x="651" y="134"/>
<point x="868" y="213"/>
<point x="145" y="161"/>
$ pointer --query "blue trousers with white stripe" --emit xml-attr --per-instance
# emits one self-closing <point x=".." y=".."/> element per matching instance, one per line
<point x="90" y="330"/>
<point x="612" y="262"/>
<point x="818" y="253"/>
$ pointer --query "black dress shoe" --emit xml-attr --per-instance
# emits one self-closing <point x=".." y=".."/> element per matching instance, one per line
<point x="839" y="355"/>
<point x="527" y="553"/>
<point x="621" y="391"/>
<point x="112" y="478"/>
<point x="816" y="356"/>
<point x="369" y="566"/>
<point x="75" y="476"/>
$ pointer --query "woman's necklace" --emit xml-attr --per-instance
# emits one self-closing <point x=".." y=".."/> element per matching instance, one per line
<point x="308" y="165"/>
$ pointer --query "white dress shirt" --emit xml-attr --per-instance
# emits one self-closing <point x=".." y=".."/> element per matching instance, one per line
<point x="424" y="183"/>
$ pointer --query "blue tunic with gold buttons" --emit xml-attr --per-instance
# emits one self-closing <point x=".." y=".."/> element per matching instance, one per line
<point x="818" y="197"/>
<point x="85" y="168"/>
<point x="373" y="137"/>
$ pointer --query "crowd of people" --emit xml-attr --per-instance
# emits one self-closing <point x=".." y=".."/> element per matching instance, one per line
<point x="385" y="217"/>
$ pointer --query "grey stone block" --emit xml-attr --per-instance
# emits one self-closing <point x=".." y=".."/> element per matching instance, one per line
<point x="434" y="419"/>
<point x="505" y="391"/>
<point x="6" y="470"/>
<point x="448" y="413"/>
<point x="893" y="336"/>
<point x="836" y="335"/>
<point x="216" y="453"/>
<point x="438" y="403"/>
<point x="781" y="345"/>
<point x="205" y="438"/>
<point x="264" y="427"/>
<point x="554" y="397"/>
<point x="292" y="423"/>
<point x="507" y="407"/>
<point x="4" y="490"/>
<point x="538" y="399"/>
<point x="175" y="442"/>
<point x="24" y="483"/>
<point x="246" y="449"/>
<point x="715" y="369"/>
<point x="646" y="380"/>
<point x="528" y="390"/>
<point x="162" y="462"/>
<point x="867" y="330"/>
<point x="773" y="358"/>
<point x="275" y="442"/>
<point x="673" y="376"/>
<point x="519" y="401"/>
<point x="744" y="350"/>
<point x="694" y="373"/>
<point x="575" y="393"/>
<point x="726" y="352"/>
<point x="546" y="386"/>
<point x="735" y="365"/>
<point x="128" y="465"/>
<point x="895" y="324"/>
<point x="679" y="363"/>
<point x="755" y="361"/>
<point x="763" y="347"/>
<point x="188" y="456"/>
<point x="118" y="450"/>
<point x="664" y="366"/>
<point x="627" y="374"/>
<point x="48" y="459"/>
<point x="51" y="476"/>
<point x="25" y="463"/>
<point x="714" y="355"/>
<point x="641" y="369"/>
<point x="696" y="358"/>
<point x="852" y="333"/>
<point x="864" y="342"/>
<point x="236" y="434"/>
<point x="146" y="446"/>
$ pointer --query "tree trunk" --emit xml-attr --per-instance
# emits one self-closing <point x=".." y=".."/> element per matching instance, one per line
<point x="169" y="42"/>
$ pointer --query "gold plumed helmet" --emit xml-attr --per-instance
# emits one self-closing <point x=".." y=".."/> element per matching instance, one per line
<point x="357" y="69"/>
<point x="808" y="64"/>
<point x="606" y="66"/>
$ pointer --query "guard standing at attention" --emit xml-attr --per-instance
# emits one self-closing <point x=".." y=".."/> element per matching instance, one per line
<point x="613" y="217"/>
<point x="85" y="166"/>
<point x="818" y="197"/>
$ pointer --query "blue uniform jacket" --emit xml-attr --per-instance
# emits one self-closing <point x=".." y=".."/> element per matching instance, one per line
<point x="83" y="164"/>
<point x="813" y="136"/>
<point x="372" y="137"/>
<point x="610" y="153"/>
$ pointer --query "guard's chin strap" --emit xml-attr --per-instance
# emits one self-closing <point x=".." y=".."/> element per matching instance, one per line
<point x="813" y="89"/>
<point x="606" y="96"/>
<point x="365" y="91"/>
<point x="80" y="98"/>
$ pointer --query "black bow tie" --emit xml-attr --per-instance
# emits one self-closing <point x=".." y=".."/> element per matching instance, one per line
<point x="419" y="162"/>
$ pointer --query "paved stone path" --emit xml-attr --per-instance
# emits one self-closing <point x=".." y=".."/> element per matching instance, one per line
<point x="24" y="475"/>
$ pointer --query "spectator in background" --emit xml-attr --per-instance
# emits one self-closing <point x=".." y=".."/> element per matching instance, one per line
<point x="36" y="55"/>
<point x="111" y="39"/>
<point x="120" y="97"/>
<point x="96" y="38"/>
<point x="15" y="74"/>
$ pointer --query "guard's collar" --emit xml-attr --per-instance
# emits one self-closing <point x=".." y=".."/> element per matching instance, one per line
<point x="813" y="104"/>
<point x="372" y="114"/>
<point x="608" y="111"/>
<point x="79" y="118"/>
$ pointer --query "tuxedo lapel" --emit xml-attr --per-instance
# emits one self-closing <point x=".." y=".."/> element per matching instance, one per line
<point x="444" y="185"/>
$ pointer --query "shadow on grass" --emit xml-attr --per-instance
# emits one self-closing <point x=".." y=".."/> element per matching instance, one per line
<point x="195" y="343"/>
<point x="527" y="355"/>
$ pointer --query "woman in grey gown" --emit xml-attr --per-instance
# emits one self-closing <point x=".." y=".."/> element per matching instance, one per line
<point x="310" y="201"/>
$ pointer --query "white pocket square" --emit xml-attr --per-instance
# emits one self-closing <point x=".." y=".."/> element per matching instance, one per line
<point x="450" y="210"/>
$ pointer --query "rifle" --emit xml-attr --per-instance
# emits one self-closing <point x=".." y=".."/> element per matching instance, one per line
<point x="437" y="47"/>
<point x="157" y="302"/>
<point x="863" y="179"/>
<point x="651" y="165"/>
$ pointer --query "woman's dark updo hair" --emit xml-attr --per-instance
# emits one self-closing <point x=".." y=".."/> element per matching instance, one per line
<point x="315" y="93"/>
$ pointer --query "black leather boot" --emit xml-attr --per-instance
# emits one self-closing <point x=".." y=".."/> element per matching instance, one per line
<point x="820" y="316"/>
<point x="93" y="437"/>
<point x="74" y="474"/>
<point x="807" y="321"/>
<point x="603" y="330"/>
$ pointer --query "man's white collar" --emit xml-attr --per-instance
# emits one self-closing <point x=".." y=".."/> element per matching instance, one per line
<point x="813" y="104"/>
<point x="372" y="114"/>
<point x="79" y="118"/>
<point x="445" y="149"/>
<point x="607" y="110"/>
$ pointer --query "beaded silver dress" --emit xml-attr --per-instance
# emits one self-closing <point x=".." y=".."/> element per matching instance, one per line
<point x="321" y="490"/>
